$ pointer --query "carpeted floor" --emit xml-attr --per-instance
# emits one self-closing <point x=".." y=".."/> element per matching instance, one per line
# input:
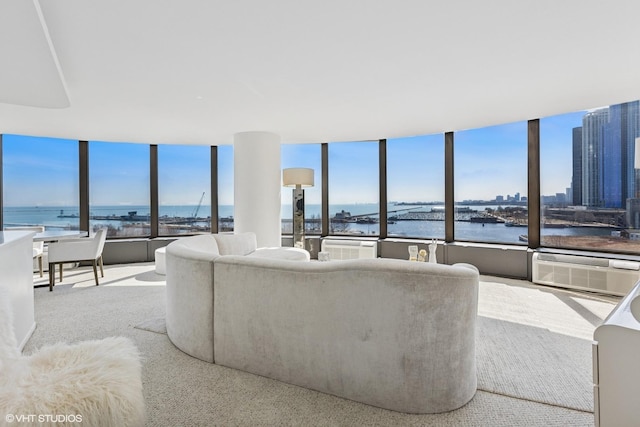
<point x="533" y="352"/>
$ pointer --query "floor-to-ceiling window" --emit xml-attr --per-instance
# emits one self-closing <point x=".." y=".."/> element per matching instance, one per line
<point x="225" y="188"/>
<point x="589" y="181"/>
<point x="415" y="186"/>
<point x="353" y="188"/>
<point x="589" y="184"/>
<point x="184" y="185"/>
<point x="490" y="184"/>
<point x="303" y="156"/>
<point x="119" y="190"/>
<point x="40" y="182"/>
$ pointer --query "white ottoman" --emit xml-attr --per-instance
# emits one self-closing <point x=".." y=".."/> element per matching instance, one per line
<point x="160" y="260"/>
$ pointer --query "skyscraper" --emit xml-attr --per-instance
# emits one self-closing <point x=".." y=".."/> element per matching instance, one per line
<point x="619" y="147"/>
<point x="607" y="153"/>
<point x="576" y="181"/>
<point x="592" y="157"/>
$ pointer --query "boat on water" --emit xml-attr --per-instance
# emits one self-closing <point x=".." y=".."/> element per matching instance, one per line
<point x="366" y="220"/>
<point x="514" y="224"/>
<point x="485" y="219"/>
<point x="63" y="215"/>
<point x="344" y="216"/>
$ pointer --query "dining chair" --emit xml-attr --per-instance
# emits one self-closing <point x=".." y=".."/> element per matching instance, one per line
<point x="77" y="250"/>
<point x="38" y="247"/>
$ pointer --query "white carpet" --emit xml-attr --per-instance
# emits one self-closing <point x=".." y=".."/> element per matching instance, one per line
<point x="534" y="364"/>
<point x="533" y="344"/>
<point x="157" y="325"/>
<point x="520" y="357"/>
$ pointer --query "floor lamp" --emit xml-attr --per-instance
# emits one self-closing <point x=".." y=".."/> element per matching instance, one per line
<point x="298" y="178"/>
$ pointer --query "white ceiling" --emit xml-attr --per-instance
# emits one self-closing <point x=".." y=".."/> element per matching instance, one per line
<point x="198" y="71"/>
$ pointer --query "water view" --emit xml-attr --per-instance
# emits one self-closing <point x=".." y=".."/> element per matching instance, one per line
<point x="481" y="223"/>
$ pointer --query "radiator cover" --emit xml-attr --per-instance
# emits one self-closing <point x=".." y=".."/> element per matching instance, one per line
<point x="350" y="249"/>
<point x="615" y="277"/>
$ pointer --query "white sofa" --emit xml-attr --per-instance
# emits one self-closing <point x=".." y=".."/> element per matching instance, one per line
<point x="391" y="333"/>
<point x="189" y="275"/>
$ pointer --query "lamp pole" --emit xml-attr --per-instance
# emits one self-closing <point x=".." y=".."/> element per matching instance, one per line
<point x="298" y="217"/>
<point x="298" y="178"/>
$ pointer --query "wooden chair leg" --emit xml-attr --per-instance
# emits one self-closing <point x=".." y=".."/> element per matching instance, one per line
<point x="95" y="271"/>
<point x="52" y="276"/>
<point x="61" y="265"/>
<point x="101" y="269"/>
<point x="40" y="265"/>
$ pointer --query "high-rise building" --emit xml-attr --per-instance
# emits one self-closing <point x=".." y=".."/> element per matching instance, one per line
<point x="618" y="177"/>
<point x="607" y="156"/>
<point x="592" y="157"/>
<point x="576" y="181"/>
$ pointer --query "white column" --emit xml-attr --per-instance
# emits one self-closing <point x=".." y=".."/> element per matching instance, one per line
<point x="257" y="185"/>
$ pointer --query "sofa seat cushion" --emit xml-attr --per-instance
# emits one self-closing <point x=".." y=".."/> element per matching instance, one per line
<point x="293" y="254"/>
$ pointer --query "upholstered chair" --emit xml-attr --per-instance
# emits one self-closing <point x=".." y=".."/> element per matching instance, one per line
<point x="76" y="250"/>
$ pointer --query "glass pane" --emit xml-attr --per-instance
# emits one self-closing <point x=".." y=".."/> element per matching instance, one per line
<point x="303" y="156"/>
<point x="40" y="182"/>
<point x="490" y="184"/>
<point x="589" y="184"/>
<point x="225" y="188"/>
<point x="184" y="183"/>
<point x="119" y="188"/>
<point x="353" y="188"/>
<point x="415" y="186"/>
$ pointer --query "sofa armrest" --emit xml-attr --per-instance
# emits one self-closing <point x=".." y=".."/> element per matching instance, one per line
<point x="189" y="294"/>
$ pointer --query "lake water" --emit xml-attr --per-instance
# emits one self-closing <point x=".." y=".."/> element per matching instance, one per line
<point x="464" y="230"/>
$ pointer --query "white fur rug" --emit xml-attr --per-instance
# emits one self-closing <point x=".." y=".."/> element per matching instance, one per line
<point x="91" y="383"/>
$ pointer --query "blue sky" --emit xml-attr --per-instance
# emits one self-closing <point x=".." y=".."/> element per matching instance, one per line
<point x="488" y="162"/>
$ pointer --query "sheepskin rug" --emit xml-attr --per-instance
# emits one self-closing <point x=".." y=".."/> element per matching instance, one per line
<point x="91" y="383"/>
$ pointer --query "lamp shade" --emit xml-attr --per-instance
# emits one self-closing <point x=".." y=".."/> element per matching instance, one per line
<point x="297" y="176"/>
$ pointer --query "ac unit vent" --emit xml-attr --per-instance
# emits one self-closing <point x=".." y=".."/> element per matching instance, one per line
<point x="349" y="249"/>
<point x="615" y="277"/>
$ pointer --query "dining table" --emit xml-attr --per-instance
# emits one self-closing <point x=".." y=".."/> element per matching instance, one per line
<point x="56" y="235"/>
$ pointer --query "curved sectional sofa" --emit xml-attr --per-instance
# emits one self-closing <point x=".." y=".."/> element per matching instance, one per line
<point x="391" y="333"/>
<point x="190" y="276"/>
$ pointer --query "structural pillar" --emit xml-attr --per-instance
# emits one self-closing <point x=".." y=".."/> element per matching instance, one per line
<point x="257" y="185"/>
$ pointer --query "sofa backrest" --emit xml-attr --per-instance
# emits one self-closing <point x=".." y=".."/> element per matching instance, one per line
<point x="236" y="244"/>
<point x="341" y="326"/>
<point x="201" y="247"/>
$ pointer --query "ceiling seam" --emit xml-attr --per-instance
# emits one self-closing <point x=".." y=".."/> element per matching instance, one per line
<point x="52" y="50"/>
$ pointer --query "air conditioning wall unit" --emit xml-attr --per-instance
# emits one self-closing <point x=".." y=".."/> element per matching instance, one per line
<point x="350" y="249"/>
<point x="611" y="276"/>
